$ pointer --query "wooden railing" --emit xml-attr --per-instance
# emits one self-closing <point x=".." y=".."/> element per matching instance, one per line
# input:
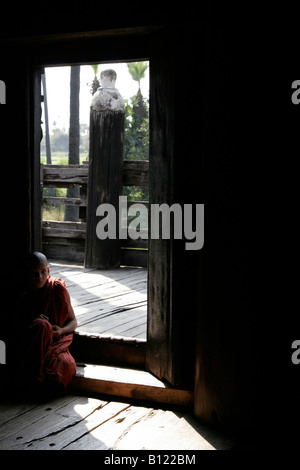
<point x="66" y="239"/>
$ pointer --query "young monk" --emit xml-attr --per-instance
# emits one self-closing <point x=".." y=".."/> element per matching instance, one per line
<point x="48" y="324"/>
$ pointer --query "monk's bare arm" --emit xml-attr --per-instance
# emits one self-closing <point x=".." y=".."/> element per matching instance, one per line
<point x="71" y="322"/>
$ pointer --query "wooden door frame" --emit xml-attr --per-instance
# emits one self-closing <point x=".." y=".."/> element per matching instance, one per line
<point x="36" y="185"/>
<point x="160" y="351"/>
<point x="161" y="337"/>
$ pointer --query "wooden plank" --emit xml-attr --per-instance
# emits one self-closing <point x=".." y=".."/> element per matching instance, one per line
<point x="35" y="182"/>
<point x="78" y="277"/>
<point x="82" y="423"/>
<point x="162" y="357"/>
<point x="73" y="427"/>
<point x="99" y="286"/>
<point x="92" y="321"/>
<point x="73" y="167"/>
<point x="129" y="383"/>
<point x="124" y="275"/>
<point x="55" y="181"/>
<point x="91" y="312"/>
<point x="121" y="352"/>
<point x="100" y="308"/>
<point x="137" y="331"/>
<point x="135" y="173"/>
<point x="130" y="323"/>
<point x="9" y="411"/>
<point x="62" y="184"/>
<point x="64" y="172"/>
<point x="61" y="229"/>
<point x="131" y="203"/>
<point x="64" y="175"/>
<point x="88" y="313"/>
<point x="134" y="280"/>
<point x="70" y="251"/>
<point x="132" y="257"/>
<point x="70" y="201"/>
<point x="67" y="265"/>
<point x="87" y="294"/>
<point x="159" y="429"/>
<point x="146" y="428"/>
<point x="32" y="429"/>
<point x="119" y="319"/>
<point x="65" y="225"/>
<point x="102" y="313"/>
<point x="110" y="433"/>
<point x="139" y="243"/>
<point x="93" y="309"/>
<point x="90" y="292"/>
<point x="107" y="290"/>
<point x="72" y="243"/>
<point x="33" y="420"/>
<point x="110" y="302"/>
<point x="63" y="233"/>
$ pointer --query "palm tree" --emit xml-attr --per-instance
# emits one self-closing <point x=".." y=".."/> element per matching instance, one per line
<point x="72" y="212"/>
<point x="137" y="130"/>
<point x="137" y="71"/>
<point x="95" y="83"/>
<point x="51" y="191"/>
<point x="48" y="149"/>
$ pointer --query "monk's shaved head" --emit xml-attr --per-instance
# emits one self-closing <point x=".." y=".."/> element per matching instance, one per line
<point x="37" y="270"/>
<point x="36" y="259"/>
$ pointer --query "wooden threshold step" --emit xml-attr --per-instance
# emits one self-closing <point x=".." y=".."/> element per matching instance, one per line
<point x="113" y="351"/>
<point x="128" y="383"/>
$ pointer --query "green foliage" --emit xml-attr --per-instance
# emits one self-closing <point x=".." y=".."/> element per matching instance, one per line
<point x="95" y="67"/>
<point x="51" y="212"/>
<point x="95" y="83"/>
<point x="136" y="193"/>
<point x="58" y="192"/>
<point x="136" y="143"/>
<point x="59" y="140"/>
<point x="136" y="139"/>
<point x="62" y="158"/>
<point x="137" y="70"/>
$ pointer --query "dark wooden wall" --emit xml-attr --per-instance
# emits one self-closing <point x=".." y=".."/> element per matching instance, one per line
<point x="212" y="291"/>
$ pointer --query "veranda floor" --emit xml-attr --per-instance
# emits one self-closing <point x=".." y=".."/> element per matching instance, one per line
<point x="110" y="303"/>
<point x="84" y="423"/>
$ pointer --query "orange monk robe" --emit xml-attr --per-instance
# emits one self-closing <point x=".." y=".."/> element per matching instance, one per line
<point x="49" y="357"/>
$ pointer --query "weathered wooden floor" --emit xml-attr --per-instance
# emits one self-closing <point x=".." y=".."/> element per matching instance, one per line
<point x="110" y="303"/>
<point x="103" y="302"/>
<point x="81" y="423"/>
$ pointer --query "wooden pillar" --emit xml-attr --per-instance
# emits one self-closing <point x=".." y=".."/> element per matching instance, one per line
<point x="105" y="170"/>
